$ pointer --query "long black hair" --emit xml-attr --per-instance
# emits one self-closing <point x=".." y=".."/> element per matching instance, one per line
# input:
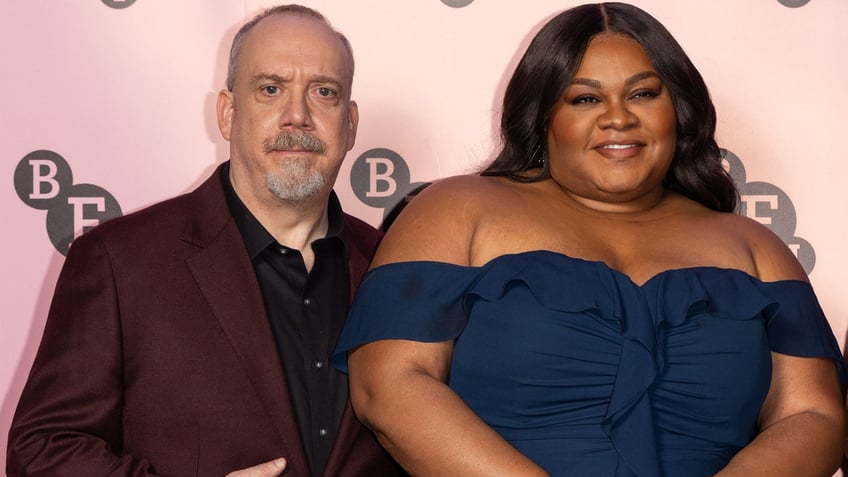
<point x="549" y="64"/>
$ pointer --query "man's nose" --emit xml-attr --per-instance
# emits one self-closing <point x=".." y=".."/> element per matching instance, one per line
<point x="295" y="111"/>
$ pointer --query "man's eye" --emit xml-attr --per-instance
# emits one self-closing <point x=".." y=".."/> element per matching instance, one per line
<point x="326" y="92"/>
<point x="271" y="89"/>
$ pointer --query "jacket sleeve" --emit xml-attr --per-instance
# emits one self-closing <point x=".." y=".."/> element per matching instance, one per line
<point x="68" y="419"/>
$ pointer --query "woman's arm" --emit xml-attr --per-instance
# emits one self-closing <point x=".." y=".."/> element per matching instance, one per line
<point x="802" y="423"/>
<point x="398" y="389"/>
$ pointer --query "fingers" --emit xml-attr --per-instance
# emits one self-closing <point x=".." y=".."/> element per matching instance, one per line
<point x="267" y="469"/>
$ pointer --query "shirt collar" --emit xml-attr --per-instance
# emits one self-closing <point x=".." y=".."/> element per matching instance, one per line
<point x="256" y="238"/>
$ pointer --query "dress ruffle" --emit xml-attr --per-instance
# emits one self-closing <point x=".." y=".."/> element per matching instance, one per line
<point x="431" y="302"/>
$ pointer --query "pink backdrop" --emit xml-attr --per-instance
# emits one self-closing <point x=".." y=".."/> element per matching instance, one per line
<point x="126" y="97"/>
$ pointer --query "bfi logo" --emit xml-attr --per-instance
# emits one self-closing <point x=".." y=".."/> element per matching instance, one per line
<point x="43" y="181"/>
<point x="457" y="3"/>
<point x="118" y="4"/>
<point x="770" y="206"/>
<point x="793" y="3"/>
<point x="380" y="178"/>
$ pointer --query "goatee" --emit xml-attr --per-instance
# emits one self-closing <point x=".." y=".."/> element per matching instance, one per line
<point x="296" y="180"/>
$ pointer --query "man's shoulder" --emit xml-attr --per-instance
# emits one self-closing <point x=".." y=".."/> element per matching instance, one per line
<point x="360" y="227"/>
<point x="360" y="235"/>
<point x="168" y="217"/>
<point x="156" y="217"/>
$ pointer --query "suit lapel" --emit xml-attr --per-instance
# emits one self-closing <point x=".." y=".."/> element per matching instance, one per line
<point x="359" y="252"/>
<point x="226" y="278"/>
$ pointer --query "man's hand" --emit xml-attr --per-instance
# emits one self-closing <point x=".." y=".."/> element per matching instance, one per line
<point x="268" y="469"/>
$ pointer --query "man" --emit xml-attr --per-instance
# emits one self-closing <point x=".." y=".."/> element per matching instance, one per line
<point x="193" y="337"/>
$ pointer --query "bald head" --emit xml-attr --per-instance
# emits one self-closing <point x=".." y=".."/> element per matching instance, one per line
<point x="293" y="10"/>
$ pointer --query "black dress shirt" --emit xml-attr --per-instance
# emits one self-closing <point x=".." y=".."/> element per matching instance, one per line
<point x="307" y="311"/>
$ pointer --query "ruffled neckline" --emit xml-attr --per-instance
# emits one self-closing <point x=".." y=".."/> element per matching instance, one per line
<point x="643" y="313"/>
<point x="594" y="263"/>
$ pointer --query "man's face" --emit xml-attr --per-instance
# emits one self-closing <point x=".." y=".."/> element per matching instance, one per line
<point x="289" y="118"/>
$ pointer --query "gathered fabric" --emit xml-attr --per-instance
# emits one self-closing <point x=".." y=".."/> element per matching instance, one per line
<point x="588" y="373"/>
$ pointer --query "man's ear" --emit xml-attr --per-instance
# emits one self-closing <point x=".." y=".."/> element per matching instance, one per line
<point x="352" y="124"/>
<point x="225" y="109"/>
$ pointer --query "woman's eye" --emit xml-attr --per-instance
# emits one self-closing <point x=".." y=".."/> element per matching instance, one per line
<point x="646" y="94"/>
<point x="584" y="100"/>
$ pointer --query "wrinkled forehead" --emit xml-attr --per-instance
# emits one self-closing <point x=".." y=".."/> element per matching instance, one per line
<point x="297" y="38"/>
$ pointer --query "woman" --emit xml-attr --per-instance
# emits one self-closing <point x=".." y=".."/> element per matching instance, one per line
<point x="589" y="304"/>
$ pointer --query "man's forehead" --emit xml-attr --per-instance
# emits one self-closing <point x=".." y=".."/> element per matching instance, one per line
<point x="293" y="27"/>
<point x="300" y="34"/>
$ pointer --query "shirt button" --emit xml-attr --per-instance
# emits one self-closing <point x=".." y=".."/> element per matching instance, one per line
<point x="307" y="301"/>
<point x="322" y="432"/>
<point x="319" y="364"/>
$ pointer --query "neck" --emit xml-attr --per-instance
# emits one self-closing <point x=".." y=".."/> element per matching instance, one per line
<point x="641" y="208"/>
<point x="293" y="224"/>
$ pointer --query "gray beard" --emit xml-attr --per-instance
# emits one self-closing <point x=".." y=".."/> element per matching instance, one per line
<point x="295" y="182"/>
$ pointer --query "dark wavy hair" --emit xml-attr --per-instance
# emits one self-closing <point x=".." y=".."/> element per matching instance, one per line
<point x="549" y="64"/>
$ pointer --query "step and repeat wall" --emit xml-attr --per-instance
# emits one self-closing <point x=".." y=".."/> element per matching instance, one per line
<point x="109" y="106"/>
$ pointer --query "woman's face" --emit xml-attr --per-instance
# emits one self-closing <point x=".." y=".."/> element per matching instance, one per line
<point x="612" y="135"/>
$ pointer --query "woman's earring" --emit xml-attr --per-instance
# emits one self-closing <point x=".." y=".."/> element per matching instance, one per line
<point x="539" y="156"/>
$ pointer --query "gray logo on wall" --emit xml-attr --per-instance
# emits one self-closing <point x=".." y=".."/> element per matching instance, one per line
<point x="793" y="3"/>
<point x="43" y="181"/>
<point x="380" y="178"/>
<point x="769" y="205"/>
<point x="118" y="4"/>
<point x="457" y="3"/>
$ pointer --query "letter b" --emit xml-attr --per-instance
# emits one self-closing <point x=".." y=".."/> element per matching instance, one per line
<point x="376" y="177"/>
<point x="42" y="178"/>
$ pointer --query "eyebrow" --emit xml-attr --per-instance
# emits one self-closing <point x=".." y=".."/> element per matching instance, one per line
<point x="267" y="77"/>
<point x="628" y="82"/>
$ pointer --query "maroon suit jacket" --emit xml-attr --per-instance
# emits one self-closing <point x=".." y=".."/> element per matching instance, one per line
<point x="158" y="357"/>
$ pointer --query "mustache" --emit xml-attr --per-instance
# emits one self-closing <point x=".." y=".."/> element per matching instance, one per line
<point x="295" y="140"/>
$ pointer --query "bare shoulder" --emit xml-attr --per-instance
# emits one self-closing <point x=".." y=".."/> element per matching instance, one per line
<point x="439" y="223"/>
<point x="773" y="259"/>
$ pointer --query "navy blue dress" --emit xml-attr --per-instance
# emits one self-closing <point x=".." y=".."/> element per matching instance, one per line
<point x="588" y="373"/>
